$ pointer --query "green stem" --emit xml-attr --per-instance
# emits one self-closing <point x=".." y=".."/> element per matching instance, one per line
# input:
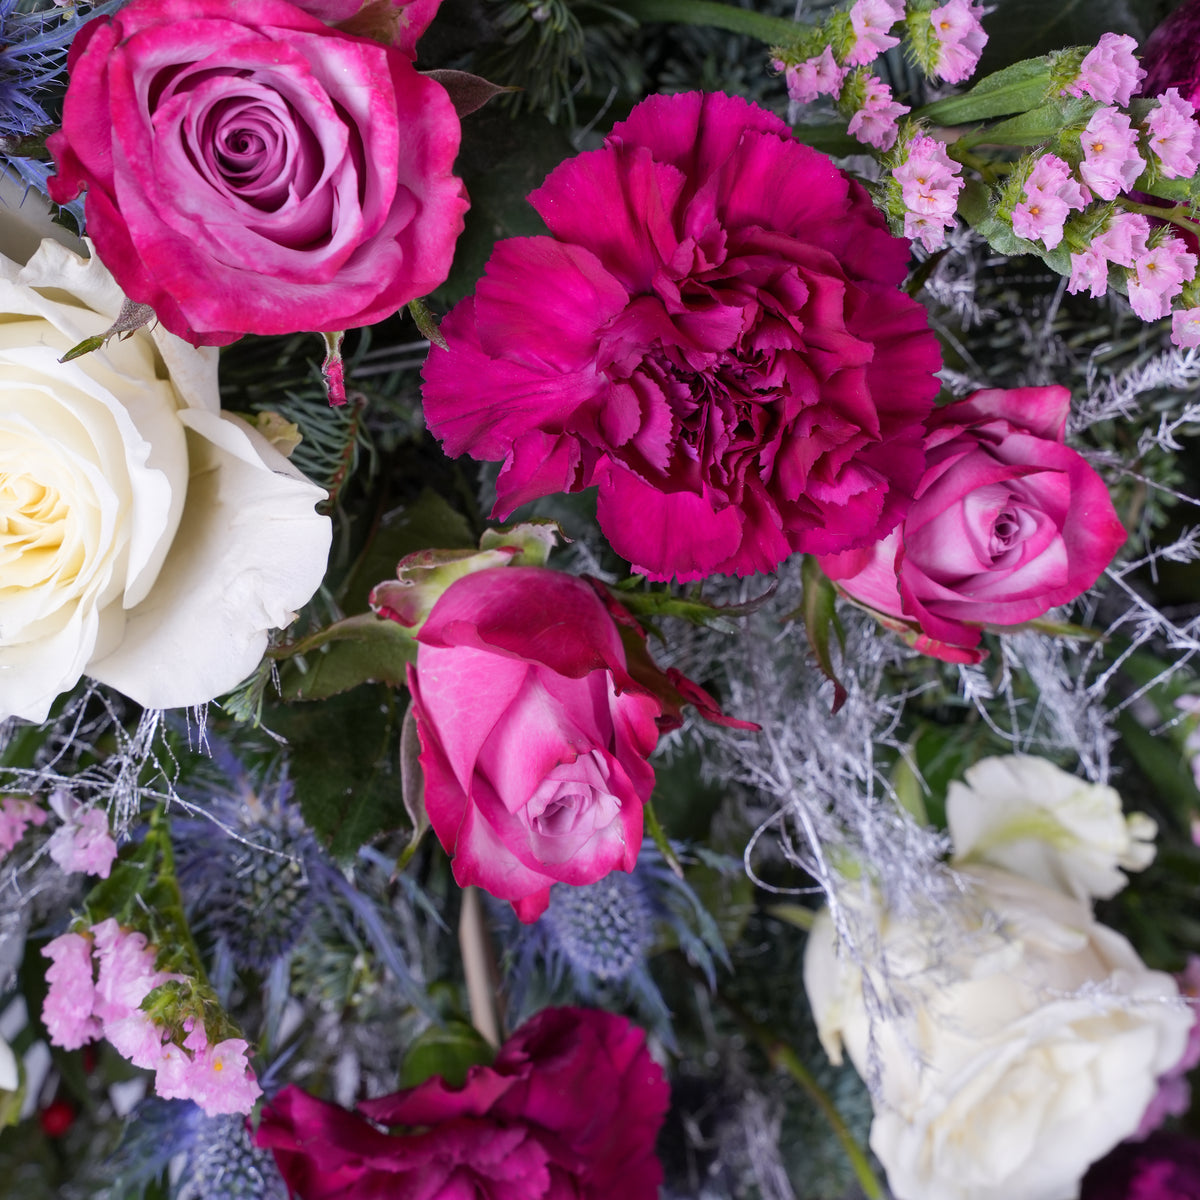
<point x="781" y="1055"/>
<point x="771" y="30"/>
<point x="1164" y="214"/>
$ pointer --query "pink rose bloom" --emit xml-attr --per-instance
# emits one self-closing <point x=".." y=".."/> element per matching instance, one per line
<point x="1185" y="327"/>
<point x="1111" y="163"/>
<point x="1007" y="523"/>
<point x="1158" y="276"/>
<point x="534" y="736"/>
<point x="82" y="843"/>
<point x="1051" y="193"/>
<point x="251" y="170"/>
<point x="875" y="122"/>
<point x="871" y="20"/>
<point x="1089" y="272"/>
<point x="16" y="815"/>
<point x="67" y="1010"/>
<point x="1110" y="73"/>
<point x="1123" y="239"/>
<point x="819" y="76"/>
<point x="569" y="1110"/>
<point x="959" y="32"/>
<point x="1174" y="136"/>
<point x="730" y="358"/>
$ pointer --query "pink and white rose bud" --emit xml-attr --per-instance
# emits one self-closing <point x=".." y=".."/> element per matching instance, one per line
<point x="1007" y="523"/>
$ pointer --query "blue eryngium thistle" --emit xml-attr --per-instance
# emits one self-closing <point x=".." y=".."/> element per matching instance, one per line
<point x="594" y="943"/>
<point x="253" y="875"/>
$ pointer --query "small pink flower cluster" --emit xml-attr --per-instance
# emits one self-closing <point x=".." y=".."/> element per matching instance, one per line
<point x="1111" y="162"/>
<point x="82" y="842"/>
<point x="81" y="1006"/>
<point x="1110" y="73"/>
<point x="16" y="815"/>
<point x="872" y="21"/>
<point x="1174" y="136"/>
<point x="1051" y="193"/>
<point x="960" y="37"/>
<point x="816" y="76"/>
<point x="929" y="185"/>
<point x="875" y="122"/>
<point x="1156" y="273"/>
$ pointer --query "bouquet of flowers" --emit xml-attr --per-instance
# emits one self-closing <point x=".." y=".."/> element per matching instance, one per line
<point x="568" y="568"/>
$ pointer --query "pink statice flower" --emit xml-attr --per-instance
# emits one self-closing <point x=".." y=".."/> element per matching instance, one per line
<point x="1111" y="163"/>
<point x="1158" y="276"/>
<point x="67" y="1010"/>
<point x="1124" y="238"/>
<point x="871" y="20"/>
<point x="1051" y="193"/>
<point x="126" y="976"/>
<point x="875" y="122"/>
<point x="929" y="185"/>
<point x="82" y="842"/>
<point x="1110" y="73"/>
<point x="1174" y="136"/>
<point x="220" y="1079"/>
<point x="16" y="815"/>
<point x="1089" y="272"/>
<point x="960" y="37"/>
<point x="817" y="76"/>
<point x="1185" y="333"/>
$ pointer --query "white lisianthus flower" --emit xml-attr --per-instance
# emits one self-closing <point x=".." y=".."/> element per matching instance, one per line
<point x="1028" y="816"/>
<point x="1014" y="1040"/>
<point x="147" y="539"/>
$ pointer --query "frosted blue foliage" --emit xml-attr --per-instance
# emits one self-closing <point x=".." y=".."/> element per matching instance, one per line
<point x="223" y="1164"/>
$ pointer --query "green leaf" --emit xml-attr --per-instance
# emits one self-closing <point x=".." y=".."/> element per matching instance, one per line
<point x="428" y="523"/>
<point x="362" y="649"/>
<point x="412" y="786"/>
<point x="449" y="1051"/>
<point x="910" y="793"/>
<point x="426" y="323"/>
<point x="345" y="764"/>
<point x="820" y="618"/>
<point x="1014" y="89"/>
<point x="1037" y="125"/>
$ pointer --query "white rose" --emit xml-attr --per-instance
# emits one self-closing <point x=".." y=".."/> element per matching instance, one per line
<point x="146" y="538"/>
<point x="10" y="1078"/>
<point x="1009" y="1056"/>
<point x="1025" y="815"/>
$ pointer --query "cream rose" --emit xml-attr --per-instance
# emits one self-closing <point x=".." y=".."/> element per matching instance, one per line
<point x="1019" y="1039"/>
<point x="1026" y="815"/>
<point x="147" y="539"/>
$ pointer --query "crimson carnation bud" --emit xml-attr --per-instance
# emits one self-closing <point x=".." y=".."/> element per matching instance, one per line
<point x="730" y="359"/>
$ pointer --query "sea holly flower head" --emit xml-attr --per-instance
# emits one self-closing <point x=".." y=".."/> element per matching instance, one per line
<point x="1110" y="73"/>
<point x="83" y="842"/>
<point x="871" y="20"/>
<point x="1174" y="136"/>
<point x="817" y="76"/>
<point x="960" y="39"/>
<point x="875" y="120"/>
<point x="1051" y="193"/>
<point x="16" y="815"/>
<point x="1111" y="163"/>
<point x="1158" y="276"/>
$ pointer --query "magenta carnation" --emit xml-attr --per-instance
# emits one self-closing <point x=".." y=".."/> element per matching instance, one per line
<point x="713" y="334"/>
<point x="569" y="1110"/>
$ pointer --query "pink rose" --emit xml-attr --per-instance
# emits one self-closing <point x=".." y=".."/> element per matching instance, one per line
<point x="534" y="735"/>
<point x="251" y="170"/>
<point x="1007" y="523"/>
<point x="569" y="1110"/>
<point x="713" y="334"/>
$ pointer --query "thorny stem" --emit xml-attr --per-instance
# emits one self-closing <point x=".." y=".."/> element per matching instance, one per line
<point x="1164" y="214"/>
<point x="781" y="1055"/>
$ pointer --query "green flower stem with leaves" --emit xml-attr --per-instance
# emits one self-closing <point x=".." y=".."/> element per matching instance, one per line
<point x="768" y="29"/>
